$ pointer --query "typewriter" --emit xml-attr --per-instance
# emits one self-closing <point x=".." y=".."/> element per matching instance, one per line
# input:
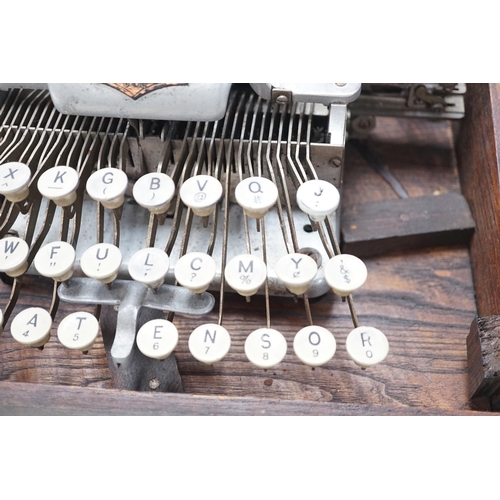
<point x="144" y="201"/>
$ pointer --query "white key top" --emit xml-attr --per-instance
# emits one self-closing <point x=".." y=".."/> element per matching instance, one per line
<point x="209" y="343"/>
<point x="195" y="271"/>
<point x="296" y="271"/>
<point x="246" y="274"/>
<point x="78" y="331"/>
<point x="265" y="347"/>
<point x="154" y="191"/>
<point x="59" y="185"/>
<point x="108" y="185"/>
<point x="345" y="273"/>
<point x="13" y="256"/>
<point x="32" y="327"/>
<point x="201" y="193"/>
<point x="101" y="262"/>
<point x="256" y="195"/>
<point x="14" y="180"/>
<point x="314" y="345"/>
<point x="55" y="260"/>
<point x="149" y="266"/>
<point x="367" y="346"/>
<point x="157" y="338"/>
<point x="318" y="198"/>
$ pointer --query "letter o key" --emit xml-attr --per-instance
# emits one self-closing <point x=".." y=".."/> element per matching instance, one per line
<point x="314" y="345"/>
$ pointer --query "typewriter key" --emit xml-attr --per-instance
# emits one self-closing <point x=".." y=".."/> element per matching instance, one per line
<point x="78" y="331"/>
<point x="101" y="262"/>
<point x="367" y="346"/>
<point x="14" y="180"/>
<point x="195" y="271"/>
<point x="157" y="338"/>
<point x="154" y="191"/>
<point x="55" y="260"/>
<point x="149" y="266"/>
<point x="32" y="327"/>
<point x="13" y="256"/>
<point x="108" y="186"/>
<point x="314" y="345"/>
<point x="265" y="347"/>
<point x="256" y="195"/>
<point x="345" y="273"/>
<point x="318" y="198"/>
<point x="201" y="193"/>
<point x="296" y="271"/>
<point x="209" y="343"/>
<point x="59" y="185"/>
<point x="246" y="274"/>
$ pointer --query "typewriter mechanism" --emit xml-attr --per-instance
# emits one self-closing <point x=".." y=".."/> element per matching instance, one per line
<point x="142" y="199"/>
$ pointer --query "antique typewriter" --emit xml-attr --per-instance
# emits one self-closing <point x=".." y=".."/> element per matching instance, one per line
<point x="140" y="200"/>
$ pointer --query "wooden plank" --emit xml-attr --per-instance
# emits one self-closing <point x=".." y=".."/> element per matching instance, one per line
<point x="28" y="399"/>
<point x="483" y="350"/>
<point x="394" y="225"/>
<point x="478" y="158"/>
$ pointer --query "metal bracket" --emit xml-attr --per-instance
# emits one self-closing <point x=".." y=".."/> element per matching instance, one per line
<point x="131" y="296"/>
<point x="281" y="96"/>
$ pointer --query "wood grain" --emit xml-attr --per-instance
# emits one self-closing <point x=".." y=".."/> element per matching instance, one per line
<point x="478" y="156"/>
<point x="395" y="225"/>
<point x="28" y="399"/>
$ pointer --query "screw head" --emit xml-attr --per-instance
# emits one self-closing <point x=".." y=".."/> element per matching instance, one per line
<point x="154" y="383"/>
<point x="282" y="99"/>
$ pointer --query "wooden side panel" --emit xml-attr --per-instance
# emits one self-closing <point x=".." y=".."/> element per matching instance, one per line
<point x="478" y="158"/>
<point x="28" y="399"/>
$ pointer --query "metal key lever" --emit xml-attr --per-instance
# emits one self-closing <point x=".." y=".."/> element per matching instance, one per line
<point x="131" y="297"/>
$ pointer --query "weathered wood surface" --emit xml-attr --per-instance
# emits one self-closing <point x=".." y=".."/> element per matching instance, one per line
<point x="379" y="227"/>
<point x="478" y="156"/>
<point x="30" y="399"/>
<point x="483" y="352"/>
<point x="423" y="300"/>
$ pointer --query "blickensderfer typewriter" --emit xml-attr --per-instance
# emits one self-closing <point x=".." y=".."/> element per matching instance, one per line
<point x="141" y="199"/>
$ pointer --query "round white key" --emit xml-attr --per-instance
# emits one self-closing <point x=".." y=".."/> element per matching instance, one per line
<point x="265" y="347"/>
<point x="209" y="343"/>
<point x="13" y="256"/>
<point x="314" y="345"/>
<point x="195" y="271"/>
<point x="59" y="185"/>
<point x="256" y="195"/>
<point x="345" y="273"/>
<point x="55" y="260"/>
<point x="367" y="346"/>
<point x="149" y="266"/>
<point x="78" y="331"/>
<point x="318" y="198"/>
<point x="157" y="338"/>
<point x="296" y="271"/>
<point x="108" y="185"/>
<point x="154" y="191"/>
<point x="201" y="193"/>
<point x="14" y="180"/>
<point x="245" y="273"/>
<point x="101" y="262"/>
<point x="32" y="327"/>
